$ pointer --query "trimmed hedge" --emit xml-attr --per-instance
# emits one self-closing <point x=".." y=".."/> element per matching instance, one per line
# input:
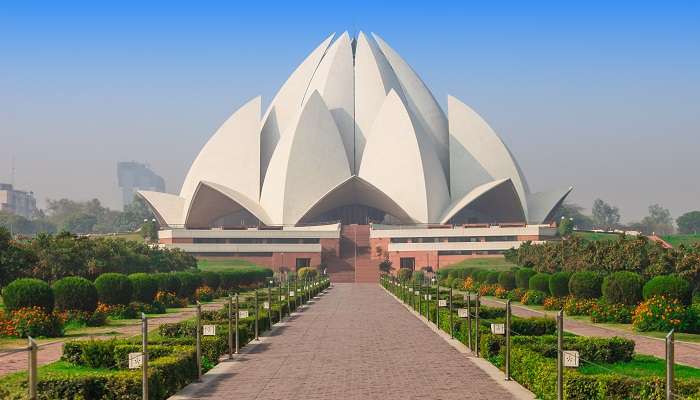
<point x="189" y="282"/>
<point x="539" y="281"/>
<point x="167" y="282"/>
<point x="75" y="293"/>
<point x="404" y="274"/>
<point x="670" y="286"/>
<point x="559" y="284"/>
<point x="144" y="287"/>
<point x="492" y="277"/>
<point x="28" y="292"/>
<point x="507" y="280"/>
<point x="211" y="279"/>
<point x="585" y="285"/>
<point x="481" y="275"/>
<point x="622" y="287"/>
<point x="522" y="277"/>
<point x="307" y="273"/>
<point x="113" y="288"/>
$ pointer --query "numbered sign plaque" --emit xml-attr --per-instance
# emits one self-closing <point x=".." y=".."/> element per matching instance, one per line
<point x="571" y="358"/>
<point x="209" y="330"/>
<point x="442" y="303"/>
<point x="135" y="360"/>
<point x="243" y="314"/>
<point x="417" y="293"/>
<point x="266" y="305"/>
<point x="410" y="290"/>
<point x="283" y="298"/>
<point x="463" y="313"/>
<point x="498" y="329"/>
<point x="291" y="293"/>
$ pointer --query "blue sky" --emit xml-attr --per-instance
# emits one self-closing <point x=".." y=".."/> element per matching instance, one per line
<point x="600" y="96"/>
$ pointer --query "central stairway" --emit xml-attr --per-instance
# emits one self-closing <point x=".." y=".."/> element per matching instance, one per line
<point x="354" y="263"/>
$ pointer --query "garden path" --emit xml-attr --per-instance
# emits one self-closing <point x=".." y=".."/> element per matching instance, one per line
<point x="355" y="342"/>
<point x="685" y="352"/>
<point x="52" y="351"/>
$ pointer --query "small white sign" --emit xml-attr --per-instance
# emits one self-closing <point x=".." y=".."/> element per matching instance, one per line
<point x="291" y="293"/>
<point x="498" y="329"/>
<point x="135" y="360"/>
<point x="243" y="314"/>
<point x="283" y="298"/>
<point x="430" y="297"/>
<point x="571" y="358"/>
<point x="209" y="330"/>
<point x="442" y="303"/>
<point x="410" y="290"/>
<point x="417" y="292"/>
<point x="266" y="305"/>
<point x="463" y="313"/>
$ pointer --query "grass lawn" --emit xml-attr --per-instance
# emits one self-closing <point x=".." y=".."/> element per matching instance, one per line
<point x="495" y="263"/>
<point x="640" y="366"/>
<point x="222" y="265"/>
<point x="596" y="236"/>
<point x="677" y="240"/>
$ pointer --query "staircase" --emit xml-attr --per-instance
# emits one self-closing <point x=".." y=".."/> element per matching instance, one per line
<point x="354" y="263"/>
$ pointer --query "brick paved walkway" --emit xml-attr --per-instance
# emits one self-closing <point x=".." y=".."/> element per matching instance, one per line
<point x="356" y="342"/>
<point x="686" y="353"/>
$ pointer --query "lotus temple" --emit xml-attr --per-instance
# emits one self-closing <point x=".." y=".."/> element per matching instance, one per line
<point x="352" y="163"/>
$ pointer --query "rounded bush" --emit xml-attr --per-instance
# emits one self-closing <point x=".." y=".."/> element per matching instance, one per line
<point x="507" y="280"/>
<point x="492" y="277"/>
<point x="167" y="282"/>
<point x="482" y="275"/>
<point x="308" y="273"/>
<point x="113" y="288"/>
<point x="211" y="279"/>
<point x="144" y="287"/>
<point x="189" y="283"/>
<point x="26" y="293"/>
<point x="522" y="277"/>
<point x="539" y="282"/>
<point x="585" y="285"/>
<point x="670" y="286"/>
<point x="418" y="276"/>
<point x="622" y="287"/>
<point x="404" y="274"/>
<point x="559" y="284"/>
<point x="75" y="293"/>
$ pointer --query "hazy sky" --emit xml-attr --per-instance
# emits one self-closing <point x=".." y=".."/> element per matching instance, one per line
<point x="601" y="96"/>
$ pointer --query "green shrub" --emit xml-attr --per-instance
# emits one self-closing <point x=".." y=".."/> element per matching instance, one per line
<point x="615" y="312"/>
<point x="481" y="275"/>
<point x="36" y="322"/>
<point x="534" y="326"/>
<point x="211" y="279"/>
<point x="113" y="289"/>
<point x="189" y="283"/>
<point x="670" y="286"/>
<point x="576" y="306"/>
<point x="28" y="292"/>
<point x="246" y="276"/>
<point x="533" y="297"/>
<point x="507" y="280"/>
<point x="404" y="274"/>
<point x="622" y="287"/>
<point x="418" y="276"/>
<point x="144" y="287"/>
<point x="585" y="285"/>
<point x="307" y="273"/>
<point x="540" y="282"/>
<point x="559" y="284"/>
<point x="167" y="282"/>
<point x="75" y="293"/>
<point x="522" y="278"/>
<point x="492" y="277"/>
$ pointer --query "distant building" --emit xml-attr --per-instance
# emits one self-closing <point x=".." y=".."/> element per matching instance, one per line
<point x="135" y="176"/>
<point x="17" y="202"/>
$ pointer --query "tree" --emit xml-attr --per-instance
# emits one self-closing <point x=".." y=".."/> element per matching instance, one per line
<point x="385" y="265"/>
<point x="605" y="216"/>
<point x="566" y="227"/>
<point x="574" y="212"/>
<point x="689" y="223"/>
<point x="658" y="221"/>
